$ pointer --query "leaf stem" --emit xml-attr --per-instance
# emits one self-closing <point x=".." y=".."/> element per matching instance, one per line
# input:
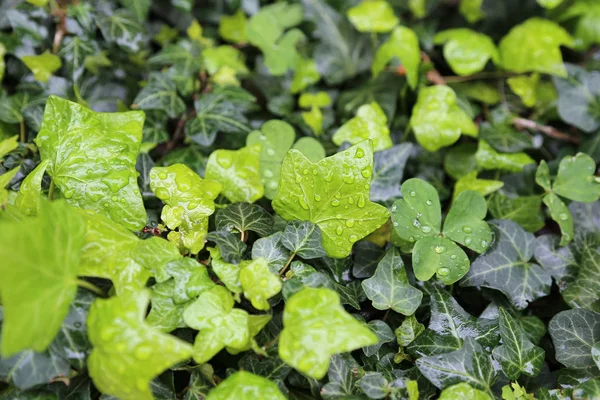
<point x="51" y="190"/>
<point x="23" y="136"/>
<point x="522" y="123"/>
<point x="271" y="343"/>
<point x="91" y="287"/>
<point x="287" y="264"/>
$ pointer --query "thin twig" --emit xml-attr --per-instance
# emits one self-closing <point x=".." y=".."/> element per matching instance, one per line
<point x="481" y="75"/>
<point x="91" y="287"/>
<point x="523" y="123"/>
<point x="23" y="132"/>
<point x="287" y="264"/>
<point x="61" y="31"/>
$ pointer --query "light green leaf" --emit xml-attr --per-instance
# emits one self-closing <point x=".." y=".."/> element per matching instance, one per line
<point x="160" y="94"/>
<point x="403" y="44"/>
<point x="245" y="217"/>
<point x="418" y="8"/>
<point x="542" y="176"/>
<point x="246" y="386"/>
<point x="112" y="252"/>
<point x="316" y="326"/>
<point x="227" y="272"/>
<point x="42" y="66"/>
<point x="310" y="147"/>
<point x="489" y="159"/>
<point x="524" y="210"/>
<point x="477" y="90"/>
<point x="233" y="27"/>
<point x="467" y="51"/>
<point x="514" y="391"/>
<point x="534" y="45"/>
<point x="255" y="324"/>
<point x="370" y="123"/>
<point x="465" y="222"/>
<point x="139" y="7"/>
<point x="549" y="3"/>
<point x="166" y="315"/>
<point x="8" y="145"/>
<point x="587" y="12"/>
<point x="410" y="329"/>
<point x="123" y="345"/>
<point x="92" y="159"/>
<point x="189" y="202"/>
<point x="373" y="16"/>
<point x="319" y="99"/>
<point x="304" y="239"/>
<point x="575" y="179"/>
<point x="471" y="364"/>
<point x="573" y="333"/>
<point x="5" y="180"/>
<point x="507" y="266"/>
<point x="517" y="355"/>
<point x="276" y="138"/>
<point x="259" y="283"/>
<point x="314" y="119"/>
<point x="333" y="194"/>
<point x="418" y="214"/>
<point x="219" y="323"/>
<point x="306" y="74"/>
<point x="37" y="294"/>
<point x="560" y="213"/>
<point x="28" y="198"/>
<point x="2" y="63"/>
<point x="389" y="286"/>
<point x="463" y="391"/>
<point x="471" y="10"/>
<point x="190" y="277"/>
<point x="215" y="58"/>
<point x="441" y="257"/>
<point x="481" y="186"/>
<point x="525" y="87"/>
<point x="437" y="120"/>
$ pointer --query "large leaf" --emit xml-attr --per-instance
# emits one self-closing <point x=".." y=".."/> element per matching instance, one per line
<point x="370" y="123"/>
<point x="507" y="267"/>
<point x="574" y="332"/>
<point x="124" y="345"/>
<point x="189" y="202"/>
<point x="437" y="120"/>
<point x="389" y="286"/>
<point x="332" y="193"/>
<point x="315" y="326"/>
<point x="403" y="44"/>
<point x="534" y="45"/>
<point x="39" y="276"/>
<point x="245" y="386"/>
<point x="139" y="7"/>
<point x="92" y="159"/>
<point x="578" y="102"/>
<point x="467" y="51"/>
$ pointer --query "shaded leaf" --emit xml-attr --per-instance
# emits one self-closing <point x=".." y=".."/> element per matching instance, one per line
<point x="245" y="217"/>
<point x="303" y="238"/>
<point x="574" y="333"/>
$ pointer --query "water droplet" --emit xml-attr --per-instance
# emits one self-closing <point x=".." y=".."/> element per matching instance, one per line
<point x="268" y="173"/>
<point x="351" y="200"/>
<point x="439" y="249"/>
<point x="425" y="229"/>
<point x="339" y="230"/>
<point x="106" y="205"/>
<point x="350" y="223"/>
<point x="224" y="159"/>
<point x="329" y="176"/>
<point x="453" y="256"/>
<point x="192" y="205"/>
<point x="315" y="172"/>
<point x="468" y="241"/>
<point x="270" y="152"/>
<point x="305" y="171"/>
<point x="366" y="172"/>
<point x="429" y="202"/>
<point x="162" y="193"/>
<point x="135" y="191"/>
<point x="484" y="244"/>
<point x="298" y="179"/>
<point x="394" y="208"/>
<point x="411" y="239"/>
<point x="317" y="197"/>
<point x="77" y="324"/>
<point x="335" y="202"/>
<point x="443" y="271"/>
<point x="360" y="153"/>
<point x="395" y="223"/>
<point x="68" y="193"/>
<point x="416" y="223"/>
<point x="303" y="202"/>
<point x="353" y="238"/>
<point x="467" y="229"/>
<point x="361" y="201"/>
<point x="114" y="198"/>
<point x="367" y="187"/>
<point x="28" y="211"/>
<point x="562" y="216"/>
<point x="338" y="216"/>
<point x="413" y="193"/>
<point x="349" y="179"/>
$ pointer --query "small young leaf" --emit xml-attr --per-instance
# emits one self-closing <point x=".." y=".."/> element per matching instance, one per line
<point x="403" y="44"/>
<point x="259" y="283"/>
<point x="575" y="179"/>
<point x="578" y="98"/>
<point x="246" y="386"/>
<point x="525" y="87"/>
<point x="165" y="315"/>
<point x="318" y="315"/>
<point x="29" y="196"/>
<point x="573" y="333"/>
<point x="160" y="94"/>
<point x="463" y="391"/>
<point x="410" y="329"/>
<point x="190" y="277"/>
<point x="467" y="51"/>
<point x="233" y="27"/>
<point x="373" y="16"/>
<point x="370" y="123"/>
<point x="561" y="214"/>
<point x="488" y="158"/>
<point x="271" y="249"/>
<point x="306" y="74"/>
<point x="43" y="65"/>
<point x="245" y="217"/>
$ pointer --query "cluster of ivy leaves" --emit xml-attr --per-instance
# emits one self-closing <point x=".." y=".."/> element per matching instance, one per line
<point x="303" y="199"/>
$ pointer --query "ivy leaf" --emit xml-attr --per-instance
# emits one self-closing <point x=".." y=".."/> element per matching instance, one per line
<point x="219" y="323"/>
<point x="276" y="138"/>
<point x="471" y="10"/>
<point x="139" y="7"/>
<point x="341" y="376"/>
<point x="578" y="98"/>
<point x="306" y="74"/>
<point x="29" y="196"/>
<point x="524" y="210"/>
<point x="233" y="28"/>
<point x="573" y="333"/>
<point x="388" y="171"/>
<point x="303" y="238"/>
<point x="160" y="94"/>
<point x="271" y="249"/>
<point x="166" y="315"/>
<point x="92" y="159"/>
<point x="389" y="286"/>
<point x="575" y="179"/>
<point x="43" y="65"/>
<point x="463" y="390"/>
<point x="48" y="246"/>
<point x="227" y="273"/>
<point x="534" y="45"/>
<point x="525" y="87"/>
<point x="315" y="326"/>
<point x="373" y="16"/>
<point x="517" y="355"/>
<point x="245" y="217"/>
<point x="245" y="386"/>
<point x="550" y="4"/>
<point x="507" y="267"/>
<point x="470" y="364"/>
<point x="370" y="123"/>
<point x="481" y="186"/>
<point x="410" y="329"/>
<point x="123" y="345"/>
<point x="467" y="51"/>
<point x="123" y="29"/>
<point x="488" y="158"/>
<point x="587" y="12"/>
<point x="231" y="248"/>
<point x="28" y="369"/>
<point x="384" y="335"/>
<point x="238" y="172"/>
<point x="403" y="44"/>
<point x="259" y="283"/>
<point x="189" y="202"/>
<point x="191" y="278"/>
<point x="333" y="194"/>
<point x="437" y="120"/>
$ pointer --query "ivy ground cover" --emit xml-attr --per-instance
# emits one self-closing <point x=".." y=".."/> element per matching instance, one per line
<point x="300" y="199"/>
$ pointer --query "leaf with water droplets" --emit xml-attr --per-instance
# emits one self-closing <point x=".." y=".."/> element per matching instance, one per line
<point x="127" y="352"/>
<point x="245" y="217"/>
<point x="189" y="202"/>
<point x="45" y="248"/>
<point x="465" y="223"/>
<point x="333" y="193"/>
<point x="389" y="287"/>
<point x="507" y="266"/>
<point x="467" y="51"/>
<point x="92" y="159"/>
<point x="238" y="172"/>
<point x="219" y="323"/>
<point x="259" y="283"/>
<point x="441" y="257"/>
<point x="190" y="277"/>
<point x="246" y="386"/>
<point x="573" y="333"/>
<point x="166" y="315"/>
<point x="303" y="238"/>
<point x="437" y="120"/>
<point x="418" y="214"/>
<point x="316" y="326"/>
<point x="276" y="138"/>
<point x="561" y="214"/>
<point x="517" y="355"/>
<point x="370" y="123"/>
<point x="271" y="249"/>
<point x="410" y="329"/>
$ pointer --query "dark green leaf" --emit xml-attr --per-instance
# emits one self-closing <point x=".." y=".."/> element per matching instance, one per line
<point x="245" y="217"/>
<point x="574" y="333"/>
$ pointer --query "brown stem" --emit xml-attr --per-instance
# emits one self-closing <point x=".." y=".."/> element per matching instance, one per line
<point x="523" y="123"/>
<point x="481" y="75"/>
<point x="61" y="30"/>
